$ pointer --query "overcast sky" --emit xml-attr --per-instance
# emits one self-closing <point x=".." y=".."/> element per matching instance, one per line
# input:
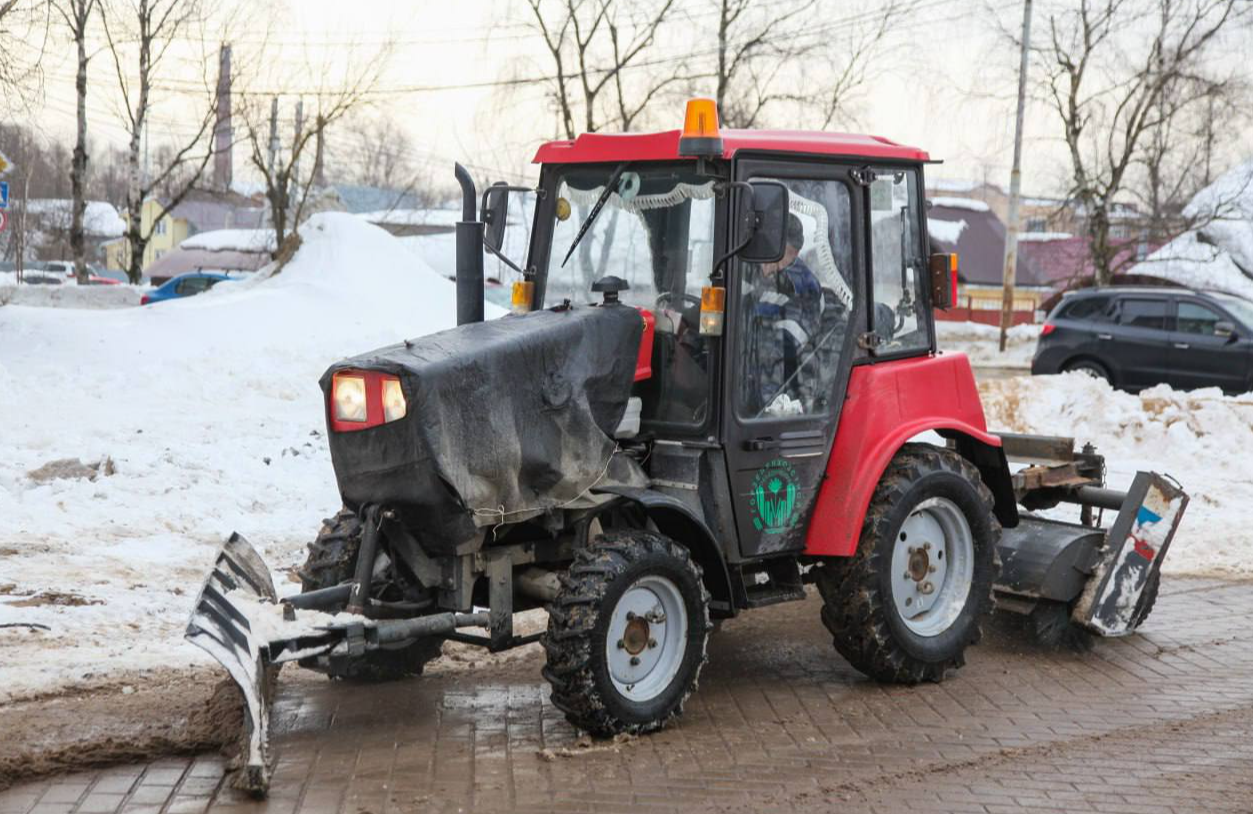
<point x="945" y="83"/>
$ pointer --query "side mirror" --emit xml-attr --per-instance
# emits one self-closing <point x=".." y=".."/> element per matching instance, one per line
<point x="942" y="271"/>
<point x="762" y="219"/>
<point x="495" y="215"/>
<point x="1225" y="329"/>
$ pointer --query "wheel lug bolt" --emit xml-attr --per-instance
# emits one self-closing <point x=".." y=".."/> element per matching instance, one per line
<point x="630" y="616"/>
<point x="908" y="575"/>
<point x="621" y="644"/>
<point x="912" y="549"/>
<point x="652" y="642"/>
<point x="635" y="661"/>
<point x="931" y="569"/>
<point x="926" y="546"/>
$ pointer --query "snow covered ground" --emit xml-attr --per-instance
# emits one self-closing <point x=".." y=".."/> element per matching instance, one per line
<point x="210" y="411"/>
<point x="982" y="343"/>
<point x="203" y="416"/>
<point x="1201" y="438"/>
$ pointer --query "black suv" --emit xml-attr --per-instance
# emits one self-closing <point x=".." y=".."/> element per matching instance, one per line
<point x="1138" y="337"/>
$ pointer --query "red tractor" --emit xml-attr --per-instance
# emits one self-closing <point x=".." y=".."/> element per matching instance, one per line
<point x="720" y="383"/>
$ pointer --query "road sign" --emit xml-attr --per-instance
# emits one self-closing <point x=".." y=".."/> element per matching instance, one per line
<point x="4" y="194"/>
<point x="5" y="164"/>
<point x="4" y="221"/>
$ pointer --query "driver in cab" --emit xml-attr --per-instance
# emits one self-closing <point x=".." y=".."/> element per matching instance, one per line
<point x="788" y="310"/>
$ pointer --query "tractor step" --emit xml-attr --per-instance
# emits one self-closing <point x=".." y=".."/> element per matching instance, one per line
<point x="773" y="582"/>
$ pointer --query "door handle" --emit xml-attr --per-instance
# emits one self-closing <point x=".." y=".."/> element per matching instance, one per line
<point x="1182" y="345"/>
<point x="1104" y="336"/>
<point x="759" y="444"/>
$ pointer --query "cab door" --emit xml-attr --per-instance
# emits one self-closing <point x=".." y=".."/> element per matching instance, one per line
<point x="791" y="329"/>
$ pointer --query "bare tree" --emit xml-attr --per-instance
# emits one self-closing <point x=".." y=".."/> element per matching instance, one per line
<point x="76" y="15"/>
<point x="591" y="43"/>
<point x="24" y="26"/>
<point x="150" y="27"/>
<point x="1175" y="161"/>
<point x="1110" y="95"/>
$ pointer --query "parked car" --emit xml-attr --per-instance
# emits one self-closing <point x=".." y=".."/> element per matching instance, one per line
<point x="1138" y="337"/>
<point x="108" y="274"/>
<point x="185" y="285"/>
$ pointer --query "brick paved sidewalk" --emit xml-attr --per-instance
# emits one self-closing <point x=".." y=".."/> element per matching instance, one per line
<point x="1159" y="722"/>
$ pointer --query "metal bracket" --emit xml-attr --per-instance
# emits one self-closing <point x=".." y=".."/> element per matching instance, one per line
<point x="864" y="176"/>
<point x="500" y="600"/>
<point x="869" y="341"/>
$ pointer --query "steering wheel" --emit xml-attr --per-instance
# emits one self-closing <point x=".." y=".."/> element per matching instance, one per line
<point x="664" y="298"/>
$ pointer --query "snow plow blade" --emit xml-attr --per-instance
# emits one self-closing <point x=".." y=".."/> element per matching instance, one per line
<point x="239" y="621"/>
<point x="222" y="629"/>
<point x="1099" y="578"/>
<point x="1135" y="547"/>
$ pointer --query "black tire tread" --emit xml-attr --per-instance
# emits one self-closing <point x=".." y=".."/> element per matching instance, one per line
<point x="574" y="614"/>
<point x="332" y="560"/>
<point x="854" y="608"/>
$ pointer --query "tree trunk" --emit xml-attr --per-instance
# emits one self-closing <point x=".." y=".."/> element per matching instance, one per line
<point x="1099" y="247"/>
<point x="78" y="169"/>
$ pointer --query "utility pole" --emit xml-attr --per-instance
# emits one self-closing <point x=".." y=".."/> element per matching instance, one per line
<point x="273" y="135"/>
<point x="1010" y="269"/>
<point x="222" y="134"/>
<point x="319" y="178"/>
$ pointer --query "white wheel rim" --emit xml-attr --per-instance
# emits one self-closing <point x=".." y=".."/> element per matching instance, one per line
<point x="647" y="638"/>
<point x="933" y="560"/>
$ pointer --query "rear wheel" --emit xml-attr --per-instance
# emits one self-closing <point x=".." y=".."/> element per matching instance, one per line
<point x="906" y="605"/>
<point x="1094" y="369"/>
<point x="332" y="560"/>
<point x="627" y="633"/>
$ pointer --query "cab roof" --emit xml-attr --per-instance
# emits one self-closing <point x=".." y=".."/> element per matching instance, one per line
<point x="598" y="147"/>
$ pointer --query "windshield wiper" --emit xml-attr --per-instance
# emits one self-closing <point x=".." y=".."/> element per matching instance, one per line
<point x="600" y="203"/>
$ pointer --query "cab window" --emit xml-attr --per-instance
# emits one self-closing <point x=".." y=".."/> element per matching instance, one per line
<point x="795" y="313"/>
<point x="897" y="262"/>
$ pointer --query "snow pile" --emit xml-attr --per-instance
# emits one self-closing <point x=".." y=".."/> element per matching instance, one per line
<point x="210" y="410"/>
<point x="961" y="203"/>
<point x="948" y="231"/>
<point x="232" y="240"/>
<point x="1199" y="437"/>
<point x="982" y="343"/>
<point x="1217" y="254"/>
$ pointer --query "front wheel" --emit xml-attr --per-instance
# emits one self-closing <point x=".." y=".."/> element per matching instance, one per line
<point x="906" y="605"/>
<point x="627" y="634"/>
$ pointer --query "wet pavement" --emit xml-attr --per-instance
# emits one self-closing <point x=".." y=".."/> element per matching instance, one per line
<point x="1158" y="722"/>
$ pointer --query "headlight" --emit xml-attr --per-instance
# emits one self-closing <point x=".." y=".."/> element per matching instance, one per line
<point x="349" y="398"/>
<point x="393" y="400"/>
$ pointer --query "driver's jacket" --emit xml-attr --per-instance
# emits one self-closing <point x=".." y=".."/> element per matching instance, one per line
<point x="788" y="310"/>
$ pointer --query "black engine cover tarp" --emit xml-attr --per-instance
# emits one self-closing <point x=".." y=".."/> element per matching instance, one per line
<point x="514" y="415"/>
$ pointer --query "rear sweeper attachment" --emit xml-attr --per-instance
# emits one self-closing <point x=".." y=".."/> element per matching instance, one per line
<point x="710" y="393"/>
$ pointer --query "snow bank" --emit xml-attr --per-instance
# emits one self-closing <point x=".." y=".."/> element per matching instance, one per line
<point x="961" y="203"/>
<point x="71" y="296"/>
<point x="232" y="240"/>
<point x="982" y="343"/>
<point x="1200" y="438"/>
<point x="210" y="410"/>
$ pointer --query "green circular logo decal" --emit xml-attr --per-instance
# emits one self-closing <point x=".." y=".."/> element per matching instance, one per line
<point x="772" y="502"/>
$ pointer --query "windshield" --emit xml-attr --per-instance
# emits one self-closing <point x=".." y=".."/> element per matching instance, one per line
<point x="656" y="231"/>
<point x="1241" y="308"/>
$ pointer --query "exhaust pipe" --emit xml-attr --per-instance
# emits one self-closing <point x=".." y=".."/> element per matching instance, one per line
<point x="469" y="254"/>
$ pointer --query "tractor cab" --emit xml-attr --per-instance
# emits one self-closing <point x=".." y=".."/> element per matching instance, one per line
<point x="767" y="264"/>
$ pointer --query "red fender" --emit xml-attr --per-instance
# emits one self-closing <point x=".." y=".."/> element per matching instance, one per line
<point x="887" y="404"/>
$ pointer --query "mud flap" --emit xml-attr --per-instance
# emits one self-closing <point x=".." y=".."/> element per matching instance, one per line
<point x="220" y="628"/>
<point x="1135" y="548"/>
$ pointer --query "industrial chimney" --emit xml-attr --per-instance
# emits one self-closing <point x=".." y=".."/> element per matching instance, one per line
<point x="222" y="133"/>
